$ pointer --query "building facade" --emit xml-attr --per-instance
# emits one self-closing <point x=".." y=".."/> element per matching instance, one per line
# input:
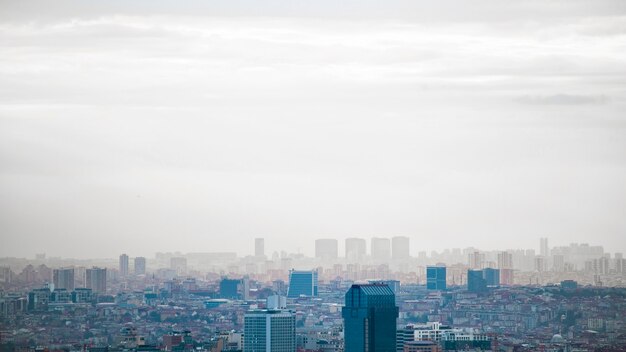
<point x="63" y="278"/>
<point x="96" y="279"/>
<point x="326" y="248"/>
<point x="302" y="283"/>
<point x="369" y="316"/>
<point x="269" y="331"/>
<point x="436" y="277"/>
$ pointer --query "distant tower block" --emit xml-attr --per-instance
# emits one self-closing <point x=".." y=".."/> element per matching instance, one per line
<point x="326" y="248"/>
<point x="259" y="247"/>
<point x="400" y="248"/>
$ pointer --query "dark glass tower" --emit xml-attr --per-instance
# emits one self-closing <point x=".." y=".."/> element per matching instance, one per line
<point x="302" y="283"/>
<point x="436" y="277"/>
<point x="476" y="281"/>
<point x="369" y="318"/>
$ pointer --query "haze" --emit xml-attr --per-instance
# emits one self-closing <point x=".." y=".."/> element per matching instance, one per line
<point x="156" y="126"/>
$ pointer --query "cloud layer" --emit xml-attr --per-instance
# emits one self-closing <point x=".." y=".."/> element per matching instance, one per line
<point x="143" y="123"/>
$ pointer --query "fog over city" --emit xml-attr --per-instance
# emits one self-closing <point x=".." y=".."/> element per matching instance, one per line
<point x="154" y="126"/>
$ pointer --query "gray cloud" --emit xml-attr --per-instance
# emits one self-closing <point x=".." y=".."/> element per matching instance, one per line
<point x="563" y="99"/>
<point x="236" y="118"/>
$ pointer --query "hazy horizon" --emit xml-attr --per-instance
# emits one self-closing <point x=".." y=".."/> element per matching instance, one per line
<point x="138" y="127"/>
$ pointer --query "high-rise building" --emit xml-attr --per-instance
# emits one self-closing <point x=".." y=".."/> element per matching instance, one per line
<point x="505" y="264"/>
<point x="63" y="278"/>
<point x="259" y="247"/>
<point x="369" y="316"/>
<point x="271" y="330"/>
<point x="480" y="280"/>
<point x="492" y="277"/>
<point x="302" y="283"/>
<point x="140" y="266"/>
<point x="400" y="248"/>
<point x="475" y="281"/>
<point x="230" y="288"/>
<point x="544" y="250"/>
<point x="476" y="260"/>
<point x="381" y="249"/>
<point x="326" y="248"/>
<point x="436" y="277"/>
<point x="123" y="265"/>
<point x="96" y="279"/>
<point x="355" y="249"/>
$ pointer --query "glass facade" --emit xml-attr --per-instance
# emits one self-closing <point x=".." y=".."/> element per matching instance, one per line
<point x="302" y="283"/>
<point x="476" y="281"/>
<point x="436" y="277"/>
<point x="229" y="289"/>
<point x="369" y="317"/>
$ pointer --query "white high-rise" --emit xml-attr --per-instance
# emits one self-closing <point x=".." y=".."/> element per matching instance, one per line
<point x="269" y="331"/>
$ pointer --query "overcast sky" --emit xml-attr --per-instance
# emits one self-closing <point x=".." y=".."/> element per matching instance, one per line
<point x="150" y="126"/>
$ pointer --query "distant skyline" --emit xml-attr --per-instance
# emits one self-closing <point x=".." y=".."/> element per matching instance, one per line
<point x="156" y="126"/>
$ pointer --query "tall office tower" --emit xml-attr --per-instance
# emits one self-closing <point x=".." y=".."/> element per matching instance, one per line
<point x="369" y="317"/>
<point x="475" y="281"/>
<point x="259" y="247"/>
<point x="544" y="250"/>
<point x="269" y="331"/>
<point x="400" y="248"/>
<point x="381" y="249"/>
<point x="476" y="260"/>
<point x="326" y="248"/>
<point x="436" y="277"/>
<point x="492" y="277"/>
<point x="355" y="249"/>
<point x="302" y="283"/>
<point x="96" y="279"/>
<point x="123" y="265"/>
<point x="63" y="278"/>
<point x="140" y="266"/>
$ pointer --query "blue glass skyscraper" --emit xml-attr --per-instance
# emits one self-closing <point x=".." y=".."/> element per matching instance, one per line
<point x="492" y="277"/>
<point x="302" y="283"/>
<point x="436" y="277"/>
<point x="369" y="319"/>
<point x="475" y="281"/>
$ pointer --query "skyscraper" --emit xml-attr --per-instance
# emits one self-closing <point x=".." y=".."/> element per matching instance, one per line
<point x="400" y="248"/>
<point x="492" y="277"/>
<point x="480" y="280"/>
<point x="544" y="251"/>
<point x="272" y="330"/>
<point x="63" y="278"/>
<point x="259" y="247"/>
<point x="355" y="249"/>
<point x="140" y="266"/>
<point x="326" y="248"/>
<point x="96" y="279"/>
<point x="369" y="317"/>
<point x="302" y="283"/>
<point x="436" y="277"/>
<point x="505" y="264"/>
<point x="381" y="249"/>
<point x="123" y="265"/>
